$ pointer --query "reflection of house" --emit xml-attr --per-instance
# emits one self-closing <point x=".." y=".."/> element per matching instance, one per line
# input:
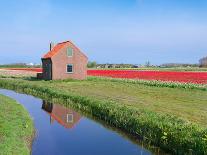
<point x="64" y="116"/>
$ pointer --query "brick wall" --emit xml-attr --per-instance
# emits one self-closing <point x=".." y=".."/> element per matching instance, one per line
<point x="60" y="61"/>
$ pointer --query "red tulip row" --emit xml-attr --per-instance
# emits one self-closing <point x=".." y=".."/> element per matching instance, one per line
<point x="184" y="77"/>
<point x="26" y="69"/>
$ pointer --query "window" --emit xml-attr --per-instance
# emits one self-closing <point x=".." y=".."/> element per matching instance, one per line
<point x="69" y="52"/>
<point x="69" y="68"/>
<point x="69" y="118"/>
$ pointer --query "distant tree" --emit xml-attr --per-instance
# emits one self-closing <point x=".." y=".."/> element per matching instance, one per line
<point x="203" y="62"/>
<point x="91" y="64"/>
<point x="15" y="65"/>
<point x="171" y="65"/>
<point x="147" y="64"/>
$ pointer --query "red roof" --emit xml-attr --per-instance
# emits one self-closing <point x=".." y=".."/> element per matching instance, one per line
<point x="55" y="50"/>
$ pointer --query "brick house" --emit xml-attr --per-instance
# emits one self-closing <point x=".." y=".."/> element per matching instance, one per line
<point x="64" y="61"/>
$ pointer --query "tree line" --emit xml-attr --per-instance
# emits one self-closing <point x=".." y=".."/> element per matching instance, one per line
<point x="203" y="62"/>
<point x="94" y="64"/>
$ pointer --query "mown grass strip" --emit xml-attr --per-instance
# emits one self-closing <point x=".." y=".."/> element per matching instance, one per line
<point x="16" y="128"/>
<point x="155" y="83"/>
<point x="168" y="132"/>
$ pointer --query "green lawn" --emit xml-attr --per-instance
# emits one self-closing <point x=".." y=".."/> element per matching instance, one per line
<point x="188" y="104"/>
<point x="16" y="128"/>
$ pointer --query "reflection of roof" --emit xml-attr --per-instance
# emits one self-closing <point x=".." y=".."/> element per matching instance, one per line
<point x="61" y="114"/>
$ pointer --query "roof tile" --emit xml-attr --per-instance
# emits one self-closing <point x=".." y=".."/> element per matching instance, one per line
<point x="55" y="50"/>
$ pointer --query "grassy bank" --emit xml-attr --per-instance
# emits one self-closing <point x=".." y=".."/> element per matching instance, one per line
<point x="172" y="118"/>
<point x="16" y="128"/>
<point x="155" y="83"/>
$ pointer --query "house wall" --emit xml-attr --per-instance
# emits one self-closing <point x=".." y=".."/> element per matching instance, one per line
<point x="47" y="66"/>
<point x="60" y="61"/>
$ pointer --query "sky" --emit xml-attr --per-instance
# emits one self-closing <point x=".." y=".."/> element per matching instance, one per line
<point x="107" y="31"/>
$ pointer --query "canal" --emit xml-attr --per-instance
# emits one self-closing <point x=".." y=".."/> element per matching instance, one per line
<point x="63" y="131"/>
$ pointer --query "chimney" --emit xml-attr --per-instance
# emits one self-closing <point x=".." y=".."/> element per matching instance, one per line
<point x="51" y="45"/>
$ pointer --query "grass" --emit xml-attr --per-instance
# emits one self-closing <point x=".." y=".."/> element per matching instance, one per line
<point x="189" y="104"/>
<point x="172" y="118"/>
<point x="157" y="83"/>
<point x="16" y="128"/>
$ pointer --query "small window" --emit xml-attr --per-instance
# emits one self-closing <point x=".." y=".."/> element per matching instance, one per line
<point x="69" y="68"/>
<point x="69" y="52"/>
<point x="69" y="118"/>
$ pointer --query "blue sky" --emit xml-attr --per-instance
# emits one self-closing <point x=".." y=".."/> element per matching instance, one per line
<point x="113" y="31"/>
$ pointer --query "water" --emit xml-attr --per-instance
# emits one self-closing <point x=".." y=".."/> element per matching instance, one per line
<point x="63" y="131"/>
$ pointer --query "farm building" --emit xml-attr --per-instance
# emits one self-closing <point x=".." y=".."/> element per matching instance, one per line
<point x="64" y="61"/>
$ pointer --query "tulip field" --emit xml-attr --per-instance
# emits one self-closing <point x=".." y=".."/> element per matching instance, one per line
<point x="184" y="77"/>
<point x="25" y="69"/>
<point x="172" y="76"/>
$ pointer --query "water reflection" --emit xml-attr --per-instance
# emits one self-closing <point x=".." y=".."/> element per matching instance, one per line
<point x="64" y="116"/>
<point x="90" y="136"/>
<point x="68" y="118"/>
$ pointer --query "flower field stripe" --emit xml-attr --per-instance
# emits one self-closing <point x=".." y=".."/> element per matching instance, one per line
<point x="25" y="69"/>
<point x="183" y="77"/>
<point x="170" y="76"/>
<point x="169" y="84"/>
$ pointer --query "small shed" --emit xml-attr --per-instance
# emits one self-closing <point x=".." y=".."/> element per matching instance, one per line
<point x="63" y="61"/>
